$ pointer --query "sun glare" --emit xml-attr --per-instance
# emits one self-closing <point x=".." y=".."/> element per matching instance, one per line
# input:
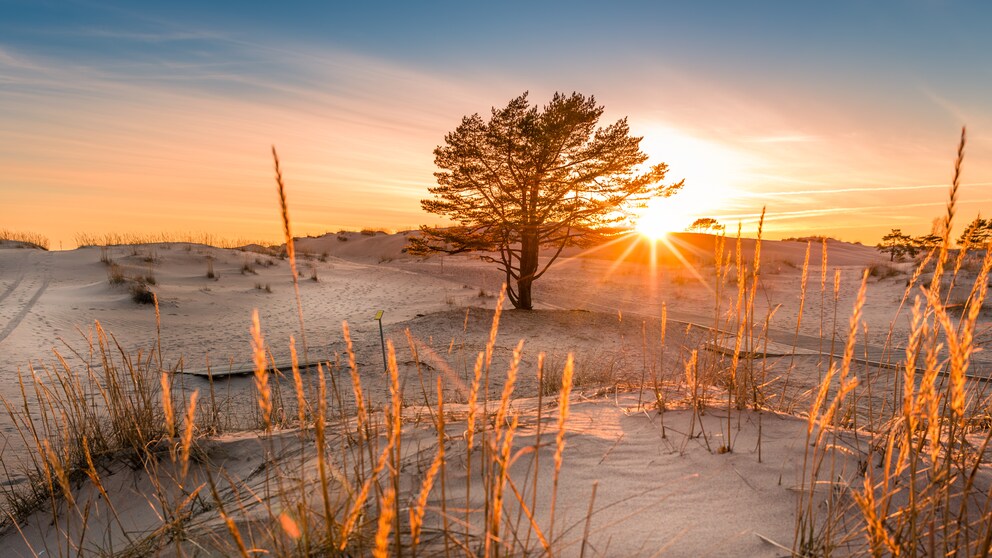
<point x="711" y="172"/>
<point x="661" y="217"/>
<point x="677" y="213"/>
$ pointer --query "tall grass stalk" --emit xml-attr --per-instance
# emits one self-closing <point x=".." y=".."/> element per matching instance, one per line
<point x="563" y="404"/>
<point x="290" y="252"/>
<point x="355" y="482"/>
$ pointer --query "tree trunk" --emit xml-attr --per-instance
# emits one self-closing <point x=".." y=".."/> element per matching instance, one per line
<point x="524" y="301"/>
<point x="528" y="267"/>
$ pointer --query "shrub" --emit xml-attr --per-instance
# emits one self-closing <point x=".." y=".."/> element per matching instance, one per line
<point x="882" y="271"/>
<point x="115" y="274"/>
<point x="141" y="294"/>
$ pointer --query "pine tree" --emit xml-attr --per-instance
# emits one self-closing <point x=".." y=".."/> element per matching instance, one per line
<point x="977" y="234"/>
<point x="897" y="244"/>
<point x="532" y="177"/>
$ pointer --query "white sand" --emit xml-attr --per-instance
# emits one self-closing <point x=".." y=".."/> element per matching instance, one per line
<point x="671" y="495"/>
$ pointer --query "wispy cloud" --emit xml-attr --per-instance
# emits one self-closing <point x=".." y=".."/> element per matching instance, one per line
<point x="191" y="140"/>
<point x="856" y="189"/>
<point x="129" y="112"/>
<point x="147" y="37"/>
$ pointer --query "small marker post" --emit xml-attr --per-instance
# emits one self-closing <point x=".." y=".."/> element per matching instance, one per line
<point x="382" y="339"/>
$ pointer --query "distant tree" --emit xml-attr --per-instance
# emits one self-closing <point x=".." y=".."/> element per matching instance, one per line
<point x="704" y="224"/>
<point x="897" y="244"/>
<point x="978" y="233"/>
<point x="530" y="177"/>
<point x="933" y="240"/>
<point x="928" y="242"/>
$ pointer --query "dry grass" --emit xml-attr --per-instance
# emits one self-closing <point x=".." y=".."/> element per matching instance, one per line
<point x="32" y="239"/>
<point x="882" y="271"/>
<point x="344" y="475"/>
<point x="136" y="239"/>
<point x="918" y="490"/>
<point x="123" y="409"/>
<point x="141" y="294"/>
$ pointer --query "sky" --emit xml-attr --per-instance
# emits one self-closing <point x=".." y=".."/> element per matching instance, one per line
<point x="842" y="118"/>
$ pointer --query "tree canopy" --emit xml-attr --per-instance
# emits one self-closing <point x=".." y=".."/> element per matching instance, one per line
<point x="704" y="224"/>
<point x="531" y="177"/>
<point x="977" y="233"/>
<point x="897" y="244"/>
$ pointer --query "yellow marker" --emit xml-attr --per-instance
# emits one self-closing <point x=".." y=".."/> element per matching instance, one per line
<point x="378" y="315"/>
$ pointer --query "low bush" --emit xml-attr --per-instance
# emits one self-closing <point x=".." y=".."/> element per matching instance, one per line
<point x="115" y="274"/>
<point x="882" y="271"/>
<point x="141" y="294"/>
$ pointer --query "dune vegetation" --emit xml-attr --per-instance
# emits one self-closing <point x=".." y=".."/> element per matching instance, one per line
<point x="891" y="444"/>
<point x="29" y="239"/>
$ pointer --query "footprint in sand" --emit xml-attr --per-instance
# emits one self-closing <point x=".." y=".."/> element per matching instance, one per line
<point x="13" y="312"/>
<point x="19" y="266"/>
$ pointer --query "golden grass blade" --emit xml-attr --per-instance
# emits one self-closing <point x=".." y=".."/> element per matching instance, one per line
<point x="261" y="371"/>
<point x="321" y="443"/>
<point x="359" y="503"/>
<point x="417" y="511"/>
<point x="187" y="442"/>
<point x="291" y="252"/>
<point x="386" y="513"/>
<point x="511" y="378"/>
<point x="170" y="416"/>
<point x="563" y="404"/>
<point x="301" y="397"/>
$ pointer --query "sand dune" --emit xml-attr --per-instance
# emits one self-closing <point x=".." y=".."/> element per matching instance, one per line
<point x="661" y="489"/>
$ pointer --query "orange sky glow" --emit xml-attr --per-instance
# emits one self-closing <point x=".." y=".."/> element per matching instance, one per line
<point x="114" y="147"/>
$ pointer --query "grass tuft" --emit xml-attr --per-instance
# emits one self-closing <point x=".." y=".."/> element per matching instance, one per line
<point x="29" y="239"/>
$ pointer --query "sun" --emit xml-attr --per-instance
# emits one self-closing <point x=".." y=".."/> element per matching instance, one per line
<point x="665" y="215"/>
<point x="712" y="173"/>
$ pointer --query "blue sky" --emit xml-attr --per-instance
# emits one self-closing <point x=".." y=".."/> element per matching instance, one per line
<point x="151" y="117"/>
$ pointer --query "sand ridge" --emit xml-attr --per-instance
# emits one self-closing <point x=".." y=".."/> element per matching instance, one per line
<point x="663" y="488"/>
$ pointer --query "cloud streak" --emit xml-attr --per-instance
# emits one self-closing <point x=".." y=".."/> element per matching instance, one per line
<point x="356" y="135"/>
<point x="860" y="189"/>
<point x="146" y="120"/>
